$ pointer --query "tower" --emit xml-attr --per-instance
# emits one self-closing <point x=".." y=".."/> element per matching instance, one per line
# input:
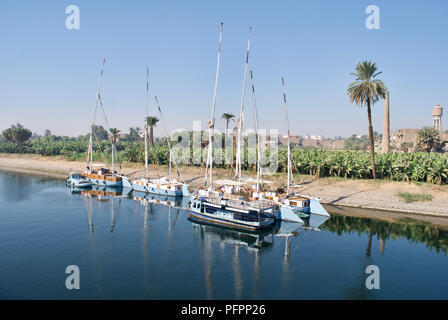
<point x="437" y="113"/>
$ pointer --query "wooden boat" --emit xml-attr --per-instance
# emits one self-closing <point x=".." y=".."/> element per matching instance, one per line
<point x="102" y="177"/>
<point x="96" y="173"/>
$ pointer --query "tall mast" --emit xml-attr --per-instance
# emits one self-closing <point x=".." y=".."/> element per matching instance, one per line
<point x="257" y="132"/>
<point x="241" y="118"/>
<point x="290" y="177"/>
<point x="168" y="138"/>
<point x="114" y="150"/>
<point x="211" y="124"/>
<point x="90" y="149"/>
<point x="145" y="128"/>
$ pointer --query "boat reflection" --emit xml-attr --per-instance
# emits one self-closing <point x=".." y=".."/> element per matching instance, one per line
<point x="256" y="243"/>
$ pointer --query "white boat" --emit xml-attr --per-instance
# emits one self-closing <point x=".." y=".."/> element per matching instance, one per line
<point x="76" y="180"/>
<point x="164" y="185"/>
<point x="293" y="207"/>
<point x="233" y="213"/>
<point x="212" y="206"/>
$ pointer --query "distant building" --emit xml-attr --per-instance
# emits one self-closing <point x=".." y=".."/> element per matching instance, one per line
<point x="312" y="137"/>
<point x="400" y="136"/>
<point x="310" y="143"/>
<point x="437" y="113"/>
<point x="338" y="144"/>
<point x="295" y="140"/>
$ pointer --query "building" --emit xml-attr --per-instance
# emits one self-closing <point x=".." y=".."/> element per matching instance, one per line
<point x="295" y="140"/>
<point x="437" y="113"/>
<point x="401" y="136"/>
<point x="311" y="143"/>
<point x="313" y="137"/>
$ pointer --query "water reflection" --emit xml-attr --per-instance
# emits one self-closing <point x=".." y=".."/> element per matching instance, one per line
<point x="246" y="256"/>
<point x="432" y="236"/>
<point x="254" y="243"/>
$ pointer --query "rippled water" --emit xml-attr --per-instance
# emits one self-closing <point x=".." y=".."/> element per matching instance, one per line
<point x="134" y="248"/>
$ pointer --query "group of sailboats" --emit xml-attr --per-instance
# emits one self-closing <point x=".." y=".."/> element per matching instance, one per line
<point x="226" y="205"/>
<point x="99" y="174"/>
<point x="219" y="203"/>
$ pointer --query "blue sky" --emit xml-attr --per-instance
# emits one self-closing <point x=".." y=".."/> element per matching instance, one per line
<point x="48" y="74"/>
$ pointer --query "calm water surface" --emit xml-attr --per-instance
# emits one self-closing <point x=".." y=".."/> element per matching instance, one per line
<point x="134" y="248"/>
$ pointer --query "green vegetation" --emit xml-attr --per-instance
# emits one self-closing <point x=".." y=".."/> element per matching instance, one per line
<point x="366" y="91"/>
<point x="414" y="197"/>
<point x="409" y="167"/>
<point x="428" y="139"/>
<point x="16" y="134"/>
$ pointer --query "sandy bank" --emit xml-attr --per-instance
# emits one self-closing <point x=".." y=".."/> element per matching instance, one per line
<point x="378" y="195"/>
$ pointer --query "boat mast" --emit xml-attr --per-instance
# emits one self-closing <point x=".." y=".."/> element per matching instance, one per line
<point x="114" y="150"/>
<point x="90" y="148"/>
<point x="146" y="122"/>
<point x="168" y="139"/>
<point x="241" y="118"/>
<point x="211" y="124"/>
<point x="290" y="176"/>
<point x="257" y="132"/>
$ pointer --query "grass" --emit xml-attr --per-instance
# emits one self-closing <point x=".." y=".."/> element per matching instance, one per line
<point x="414" y="197"/>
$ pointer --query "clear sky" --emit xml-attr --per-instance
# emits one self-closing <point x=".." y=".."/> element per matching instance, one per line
<point x="48" y="74"/>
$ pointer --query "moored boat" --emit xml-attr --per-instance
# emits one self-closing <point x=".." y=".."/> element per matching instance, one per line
<point x="76" y="180"/>
<point x="102" y="177"/>
<point x="96" y="173"/>
<point x="161" y="186"/>
<point x="232" y="213"/>
<point x="164" y="185"/>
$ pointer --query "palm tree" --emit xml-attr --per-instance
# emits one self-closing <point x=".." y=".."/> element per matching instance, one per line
<point x="132" y="134"/>
<point x="114" y="132"/>
<point x="151" y="122"/>
<point x="227" y="117"/>
<point x="366" y="90"/>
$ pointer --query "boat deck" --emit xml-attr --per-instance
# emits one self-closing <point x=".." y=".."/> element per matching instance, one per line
<point x="240" y="204"/>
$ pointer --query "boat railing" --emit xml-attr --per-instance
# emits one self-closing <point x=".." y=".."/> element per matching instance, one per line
<point x="240" y="204"/>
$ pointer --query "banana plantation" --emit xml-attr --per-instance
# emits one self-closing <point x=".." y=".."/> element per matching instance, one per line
<point x="409" y="167"/>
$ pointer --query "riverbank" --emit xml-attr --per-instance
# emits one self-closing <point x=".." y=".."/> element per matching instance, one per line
<point x="367" y="194"/>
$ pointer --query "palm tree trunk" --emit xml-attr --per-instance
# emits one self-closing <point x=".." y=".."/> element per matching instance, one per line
<point x="386" y="125"/>
<point x="151" y="136"/>
<point x="372" y="145"/>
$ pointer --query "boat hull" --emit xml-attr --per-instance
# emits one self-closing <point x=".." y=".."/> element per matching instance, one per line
<point x="286" y="213"/>
<point x="155" y="190"/>
<point x="107" y="183"/>
<point x="228" y="222"/>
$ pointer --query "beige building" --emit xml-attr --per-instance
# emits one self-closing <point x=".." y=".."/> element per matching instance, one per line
<point x="400" y="136"/>
<point x="295" y="140"/>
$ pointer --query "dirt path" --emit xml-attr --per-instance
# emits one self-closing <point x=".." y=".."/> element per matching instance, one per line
<point x="379" y="195"/>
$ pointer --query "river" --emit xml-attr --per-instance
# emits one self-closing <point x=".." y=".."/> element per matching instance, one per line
<point x="130" y="247"/>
